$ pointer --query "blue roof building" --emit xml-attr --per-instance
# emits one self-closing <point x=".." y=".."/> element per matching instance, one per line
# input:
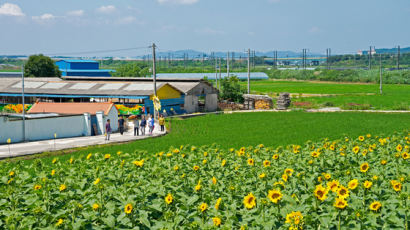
<point x="87" y="68"/>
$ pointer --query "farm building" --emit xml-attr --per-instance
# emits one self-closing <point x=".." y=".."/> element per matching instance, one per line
<point x="99" y="112"/>
<point x="43" y="126"/>
<point x="88" y="68"/>
<point x="176" y="96"/>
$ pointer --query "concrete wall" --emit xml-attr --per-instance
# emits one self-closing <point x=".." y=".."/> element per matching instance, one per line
<point x="44" y="128"/>
<point x="211" y="102"/>
<point x="191" y="103"/>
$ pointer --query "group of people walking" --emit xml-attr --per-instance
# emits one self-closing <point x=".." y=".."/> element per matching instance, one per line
<point x="140" y="124"/>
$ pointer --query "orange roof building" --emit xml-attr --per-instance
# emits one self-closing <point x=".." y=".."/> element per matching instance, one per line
<point x="72" y="108"/>
<point x="98" y="121"/>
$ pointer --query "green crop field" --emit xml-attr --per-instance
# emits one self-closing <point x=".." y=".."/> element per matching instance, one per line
<point x="395" y="96"/>
<point x="271" y="129"/>
<point x="338" y="180"/>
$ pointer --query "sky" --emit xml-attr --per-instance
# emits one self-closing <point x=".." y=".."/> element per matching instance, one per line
<point x="61" y="27"/>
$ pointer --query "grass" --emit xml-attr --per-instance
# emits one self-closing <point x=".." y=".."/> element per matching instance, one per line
<point x="395" y="97"/>
<point x="270" y="129"/>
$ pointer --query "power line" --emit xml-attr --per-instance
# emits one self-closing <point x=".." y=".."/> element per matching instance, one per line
<point x="99" y="51"/>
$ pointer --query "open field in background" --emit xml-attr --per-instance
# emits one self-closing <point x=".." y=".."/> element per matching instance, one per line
<point x="395" y="96"/>
<point x="271" y="129"/>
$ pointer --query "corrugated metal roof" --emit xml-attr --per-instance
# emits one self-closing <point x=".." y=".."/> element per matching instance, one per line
<point x="59" y="87"/>
<point x="79" y="60"/>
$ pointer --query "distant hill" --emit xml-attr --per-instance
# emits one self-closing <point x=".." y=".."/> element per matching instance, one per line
<point x="393" y="50"/>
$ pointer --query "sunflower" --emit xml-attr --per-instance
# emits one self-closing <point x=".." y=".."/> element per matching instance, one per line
<point x="97" y="181"/>
<point x="37" y="187"/>
<point x="266" y="163"/>
<point x="353" y="184"/>
<point x="361" y="138"/>
<point x="176" y="167"/>
<point x="294" y="218"/>
<point x="376" y="205"/>
<point x="396" y="185"/>
<point x="367" y="184"/>
<point x="71" y="160"/>
<point x="107" y="156"/>
<point x="214" y="181"/>
<point x="356" y="149"/>
<point x="59" y="222"/>
<point x="327" y="176"/>
<point x="53" y="172"/>
<point x="343" y="192"/>
<point x="321" y="192"/>
<point x="89" y="156"/>
<point x="198" y="186"/>
<point x="54" y="160"/>
<point x="405" y="155"/>
<point x="340" y="203"/>
<point x="285" y="177"/>
<point x="204" y="161"/>
<point x="169" y="198"/>
<point x="223" y="163"/>
<point x="275" y="195"/>
<point x="383" y="162"/>
<point x="128" y="208"/>
<point x="399" y="148"/>
<point x="262" y="175"/>
<point x="196" y="168"/>
<point x="218" y="203"/>
<point x="364" y="167"/>
<point x="332" y="147"/>
<point x="63" y="187"/>
<point x="139" y="163"/>
<point x="203" y="207"/>
<point x="275" y="157"/>
<point x="251" y="161"/>
<point x="231" y="150"/>
<point x="289" y="172"/>
<point x="249" y="201"/>
<point x="96" y="206"/>
<point x="296" y="149"/>
<point x="217" y="221"/>
<point x="315" y="154"/>
<point x="333" y="185"/>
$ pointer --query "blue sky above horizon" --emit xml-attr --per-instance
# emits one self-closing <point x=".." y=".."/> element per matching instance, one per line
<point x="58" y="27"/>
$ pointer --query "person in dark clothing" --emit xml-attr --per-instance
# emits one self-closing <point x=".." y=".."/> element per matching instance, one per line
<point x="142" y="125"/>
<point x="107" y="130"/>
<point x="121" y="123"/>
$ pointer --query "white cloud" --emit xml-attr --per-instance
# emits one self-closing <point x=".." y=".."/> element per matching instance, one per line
<point x="106" y="9"/>
<point x="76" y="13"/>
<point x="10" y="9"/>
<point x="314" y="30"/>
<point x="127" y="20"/>
<point x="182" y="2"/>
<point x="44" y="18"/>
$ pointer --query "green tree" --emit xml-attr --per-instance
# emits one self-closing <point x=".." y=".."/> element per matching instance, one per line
<point x="231" y="90"/>
<point x="128" y="70"/>
<point x="41" y="66"/>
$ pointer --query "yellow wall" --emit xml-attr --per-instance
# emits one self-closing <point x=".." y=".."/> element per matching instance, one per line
<point x="167" y="92"/>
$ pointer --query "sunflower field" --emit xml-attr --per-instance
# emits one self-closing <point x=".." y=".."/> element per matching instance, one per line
<point x="350" y="183"/>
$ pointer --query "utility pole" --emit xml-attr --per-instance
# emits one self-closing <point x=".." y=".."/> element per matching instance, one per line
<point x="370" y="58"/>
<point x="216" y="72"/>
<point x="381" y="74"/>
<point x="249" y="71"/>
<point x="327" y="58"/>
<point x="154" y="75"/>
<point x="220" y="62"/>
<point x="23" y="102"/>
<point x="227" y="64"/>
<point x="398" y="57"/>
